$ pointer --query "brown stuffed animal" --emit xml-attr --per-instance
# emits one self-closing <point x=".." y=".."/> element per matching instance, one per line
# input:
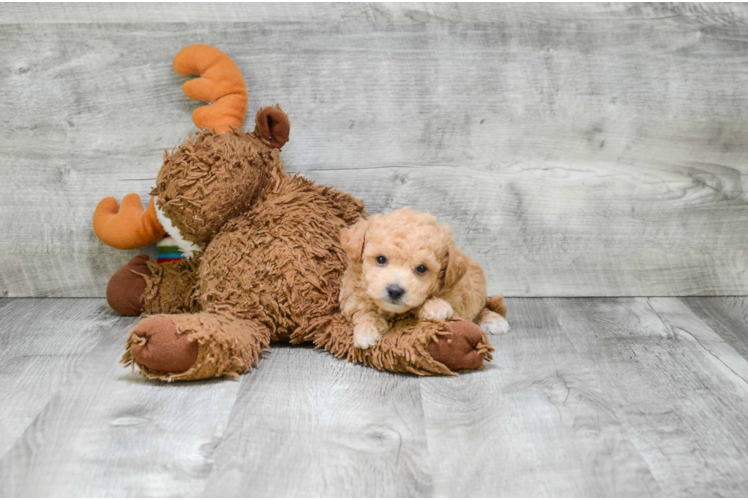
<point x="264" y="257"/>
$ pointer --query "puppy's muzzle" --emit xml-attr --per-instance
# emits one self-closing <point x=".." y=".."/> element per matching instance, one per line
<point x="395" y="292"/>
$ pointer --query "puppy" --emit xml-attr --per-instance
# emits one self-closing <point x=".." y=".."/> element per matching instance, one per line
<point x="405" y="263"/>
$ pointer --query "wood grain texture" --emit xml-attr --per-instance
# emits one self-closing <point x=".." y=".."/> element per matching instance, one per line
<point x="596" y="397"/>
<point x="306" y="424"/>
<point x="577" y="150"/>
<point x="534" y="423"/>
<point x="678" y="388"/>
<point x="103" y="432"/>
<point x="41" y="354"/>
<point x="176" y="12"/>
<point x="727" y="316"/>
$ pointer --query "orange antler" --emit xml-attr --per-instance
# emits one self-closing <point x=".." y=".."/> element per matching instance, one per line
<point x="128" y="226"/>
<point x="221" y="84"/>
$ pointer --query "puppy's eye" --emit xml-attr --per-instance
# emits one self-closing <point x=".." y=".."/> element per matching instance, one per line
<point x="381" y="260"/>
<point x="421" y="269"/>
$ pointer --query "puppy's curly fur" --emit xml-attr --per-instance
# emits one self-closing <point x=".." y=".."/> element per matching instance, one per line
<point x="405" y="263"/>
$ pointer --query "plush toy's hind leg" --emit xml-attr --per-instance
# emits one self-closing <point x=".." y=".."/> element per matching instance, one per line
<point x="142" y="286"/>
<point x="195" y="346"/>
<point x="420" y="347"/>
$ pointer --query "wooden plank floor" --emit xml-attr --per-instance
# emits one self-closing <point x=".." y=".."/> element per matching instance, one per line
<point x="586" y="397"/>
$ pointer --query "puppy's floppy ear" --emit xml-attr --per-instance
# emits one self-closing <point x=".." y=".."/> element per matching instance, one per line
<point x="352" y="239"/>
<point x="457" y="264"/>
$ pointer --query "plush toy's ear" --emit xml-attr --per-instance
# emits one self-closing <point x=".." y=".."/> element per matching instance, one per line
<point x="353" y="239"/>
<point x="456" y="265"/>
<point x="273" y="125"/>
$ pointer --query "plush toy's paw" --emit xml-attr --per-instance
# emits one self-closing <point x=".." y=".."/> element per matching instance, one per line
<point x="124" y="292"/>
<point x="460" y="351"/>
<point x="494" y="324"/>
<point x="435" y="309"/>
<point x="158" y="346"/>
<point x="366" y="335"/>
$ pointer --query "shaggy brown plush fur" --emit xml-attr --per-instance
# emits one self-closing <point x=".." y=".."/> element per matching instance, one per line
<point x="211" y="178"/>
<point x="172" y="289"/>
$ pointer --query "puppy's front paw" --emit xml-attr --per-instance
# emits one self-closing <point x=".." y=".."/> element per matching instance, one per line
<point x="435" y="309"/>
<point x="495" y="325"/>
<point x="365" y="335"/>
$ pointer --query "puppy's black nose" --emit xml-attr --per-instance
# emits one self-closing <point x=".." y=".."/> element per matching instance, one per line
<point x="395" y="291"/>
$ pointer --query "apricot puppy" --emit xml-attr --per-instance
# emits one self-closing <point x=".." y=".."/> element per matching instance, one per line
<point x="405" y="263"/>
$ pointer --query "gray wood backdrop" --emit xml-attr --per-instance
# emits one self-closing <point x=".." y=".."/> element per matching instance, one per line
<point x="577" y="149"/>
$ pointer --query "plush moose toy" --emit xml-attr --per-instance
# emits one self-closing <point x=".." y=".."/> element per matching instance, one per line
<point x="263" y="257"/>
